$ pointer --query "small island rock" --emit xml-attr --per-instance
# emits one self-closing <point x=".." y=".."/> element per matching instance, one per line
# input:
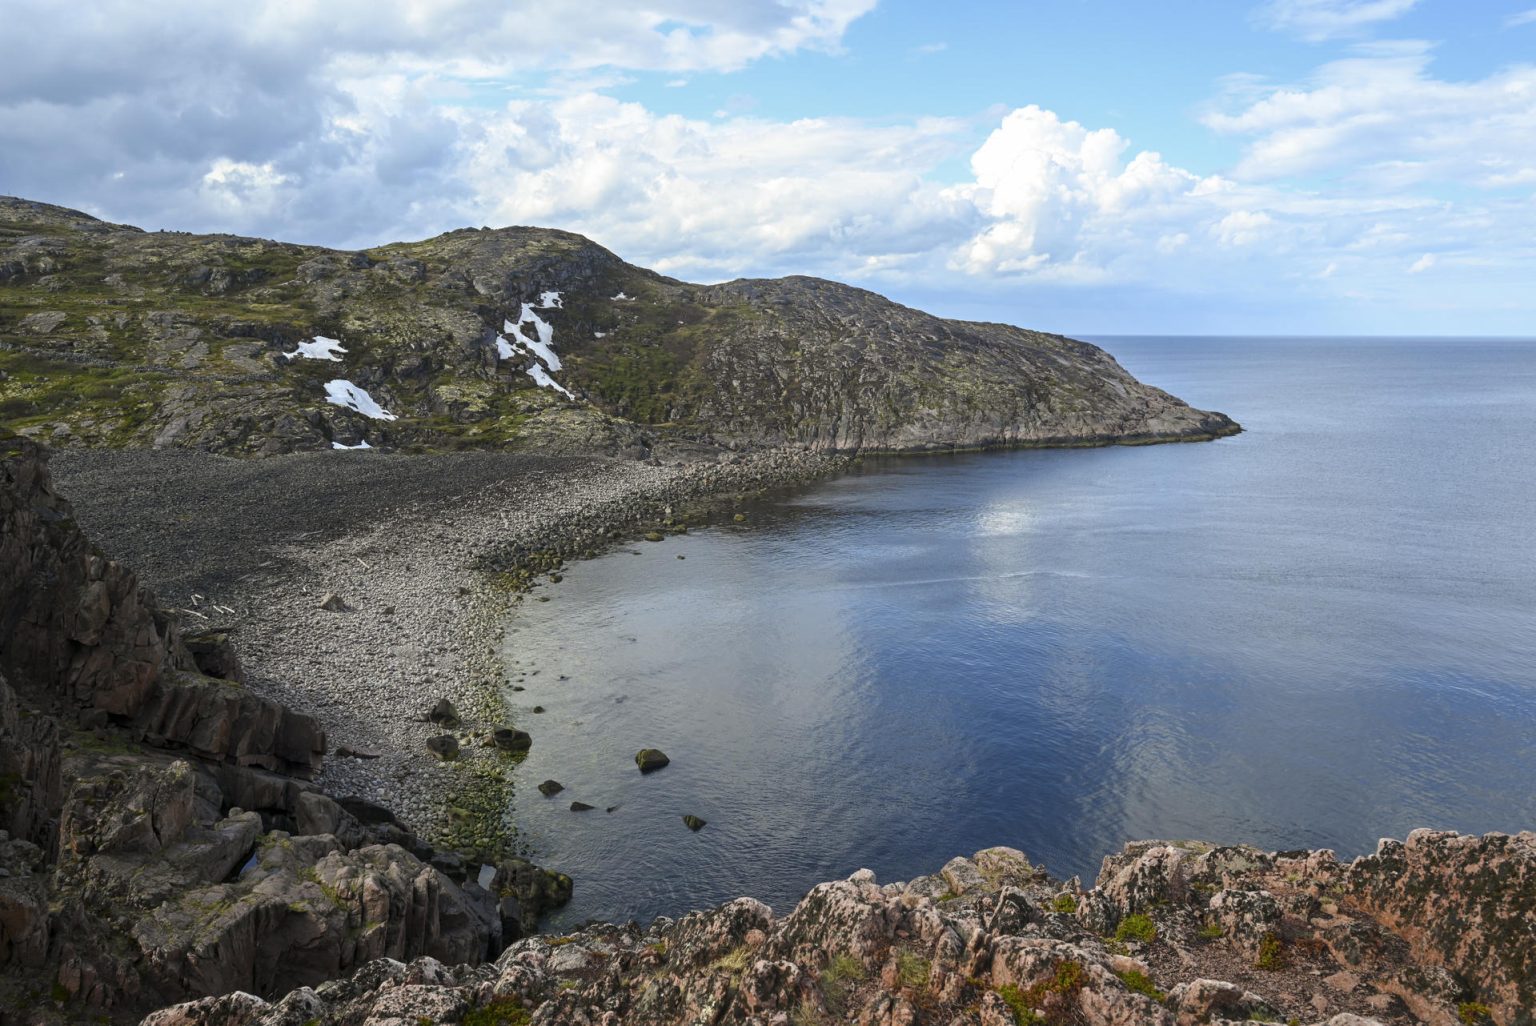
<point x="650" y="759"/>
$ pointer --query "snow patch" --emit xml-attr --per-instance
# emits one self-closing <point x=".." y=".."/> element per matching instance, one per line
<point x="344" y="393"/>
<point x="360" y="445"/>
<point x="599" y="334"/>
<point x="540" y="375"/>
<point x="318" y="348"/>
<point x="515" y="341"/>
<point x="622" y="296"/>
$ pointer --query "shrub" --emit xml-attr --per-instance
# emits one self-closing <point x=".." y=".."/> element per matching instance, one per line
<point x="1271" y="953"/>
<point x="1064" y="904"/>
<point x="1023" y="1015"/>
<point x="1136" y="928"/>
<point x="1474" y="1013"/>
<point x="1141" y="983"/>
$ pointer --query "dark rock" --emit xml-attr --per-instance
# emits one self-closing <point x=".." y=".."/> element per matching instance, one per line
<point x="538" y="708"/>
<point x="444" y="746"/>
<point x="650" y="759"/>
<point x="444" y="714"/>
<point x="581" y="807"/>
<point x="550" y="788"/>
<point x="214" y="655"/>
<point x="694" y="823"/>
<point x="509" y="739"/>
<point x="348" y="752"/>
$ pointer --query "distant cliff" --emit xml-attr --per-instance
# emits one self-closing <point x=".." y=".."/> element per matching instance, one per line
<point x="112" y="336"/>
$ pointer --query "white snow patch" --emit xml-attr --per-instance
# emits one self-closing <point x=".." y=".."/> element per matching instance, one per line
<point x="318" y="348"/>
<point x="540" y="346"/>
<point x="360" y="445"/>
<point x="344" y="393"/>
<point x="622" y="296"/>
<point x="540" y="375"/>
<point x="599" y="334"/>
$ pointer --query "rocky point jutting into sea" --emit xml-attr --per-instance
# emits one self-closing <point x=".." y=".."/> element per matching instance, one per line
<point x="221" y="799"/>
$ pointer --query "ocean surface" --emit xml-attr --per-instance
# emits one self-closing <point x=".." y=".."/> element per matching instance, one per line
<point x="1315" y="634"/>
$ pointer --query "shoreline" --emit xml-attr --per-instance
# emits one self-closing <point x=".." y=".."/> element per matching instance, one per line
<point x="428" y="581"/>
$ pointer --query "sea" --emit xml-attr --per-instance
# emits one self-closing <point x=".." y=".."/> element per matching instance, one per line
<point x="1315" y="634"/>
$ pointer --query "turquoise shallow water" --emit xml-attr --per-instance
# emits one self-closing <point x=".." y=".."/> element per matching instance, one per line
<point x="1317" y="633"/>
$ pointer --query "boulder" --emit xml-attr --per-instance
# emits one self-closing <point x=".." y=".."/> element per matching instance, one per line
<point x="694" y="823"/>
<point x="444" y="746"/>
<point x="444" y="714"/>
<point x="650" y="759"/>
<point x="509" y="739"/>
<point x="550" y="788"/>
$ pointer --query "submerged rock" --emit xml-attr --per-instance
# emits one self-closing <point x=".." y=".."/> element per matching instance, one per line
<point x="509" y="739"/>
<point x="550" y="788"/>
<point x="694" y="823"/>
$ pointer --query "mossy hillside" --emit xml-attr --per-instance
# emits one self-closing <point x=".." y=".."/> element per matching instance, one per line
<point x="793" y="360"/>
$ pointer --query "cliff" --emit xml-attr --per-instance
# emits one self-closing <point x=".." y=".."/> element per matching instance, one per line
<point x="112" y="336"/>
<point x="160" y="838"/>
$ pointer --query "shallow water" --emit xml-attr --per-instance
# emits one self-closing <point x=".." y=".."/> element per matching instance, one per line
<point x="1317" y="633"/>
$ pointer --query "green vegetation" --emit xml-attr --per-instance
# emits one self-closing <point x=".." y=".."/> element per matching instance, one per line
<point x="1136" y="928"/>
<point x="1065" y="904"/>
<point x="1211" y="931"/>
<point x="1141" y="983"/>
<point x="1271" y="953"/>
<point x="912" y="969"/>
<point x="842" y="974"/>
<point x="498" y="1012"/>
<point x="1474" y="1013"/>
<point x="1023" y="1015"/>
<point x="733" y="961"/>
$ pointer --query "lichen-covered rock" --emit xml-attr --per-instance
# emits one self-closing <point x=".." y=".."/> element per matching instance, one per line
<point x="1466" y="902"/>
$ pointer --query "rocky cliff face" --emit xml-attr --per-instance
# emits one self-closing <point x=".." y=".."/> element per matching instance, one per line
<point x="519" y="336"/>
<point x="1172" y="935"/>
<point x="159" y="836"/>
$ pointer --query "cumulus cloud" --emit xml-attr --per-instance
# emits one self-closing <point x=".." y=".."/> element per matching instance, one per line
<point x="1319" y="20"/>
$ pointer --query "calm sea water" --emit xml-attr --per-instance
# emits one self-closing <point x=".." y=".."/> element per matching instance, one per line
<point x="1315" y="634"/>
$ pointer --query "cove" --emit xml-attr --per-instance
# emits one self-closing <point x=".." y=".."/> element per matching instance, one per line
<point x="1314" y="634"/>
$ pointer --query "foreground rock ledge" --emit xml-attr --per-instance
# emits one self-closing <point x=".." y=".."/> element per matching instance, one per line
<point x="1432" y="930"/>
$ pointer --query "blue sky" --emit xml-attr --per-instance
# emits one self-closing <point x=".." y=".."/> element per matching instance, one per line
<point x="1087" y="166"/>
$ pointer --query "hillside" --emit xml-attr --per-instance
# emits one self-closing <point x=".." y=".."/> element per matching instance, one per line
<point x="528" y="337"/>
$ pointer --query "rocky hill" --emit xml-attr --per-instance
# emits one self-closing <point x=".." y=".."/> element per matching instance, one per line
<point x="113" y="336"/>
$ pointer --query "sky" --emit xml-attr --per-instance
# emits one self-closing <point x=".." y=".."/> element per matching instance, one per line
<point x="1083" y="166"/>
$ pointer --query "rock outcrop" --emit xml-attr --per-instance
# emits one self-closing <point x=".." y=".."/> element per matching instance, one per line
<point x="993" y="941"/>
<point x="160" y="838"/>
<point x="111" y="336"/>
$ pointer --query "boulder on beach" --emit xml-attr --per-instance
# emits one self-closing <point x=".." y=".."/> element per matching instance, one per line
<point x="444" y="746"/>
<point x="444" y="714"/>
<point x="650" y="759"/>
<point x="510" y="739"/>
<point x="550" y="788"/>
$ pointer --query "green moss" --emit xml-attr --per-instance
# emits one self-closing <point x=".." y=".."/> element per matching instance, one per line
<point x="1141" y="983"/>
<point x="1271" y="953"/>
<point x="498" y="1012"/>
<point x="1474" y="1013"/>
<point x="1065" y="904"/>
<point x="59" y="993"/>
<point x="1211" y="931"/>
<point x="1136" y="928"/>
<point x="1023" y="1015"/>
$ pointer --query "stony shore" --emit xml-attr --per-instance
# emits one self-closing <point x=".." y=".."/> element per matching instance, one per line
<point x="427" y="554"/>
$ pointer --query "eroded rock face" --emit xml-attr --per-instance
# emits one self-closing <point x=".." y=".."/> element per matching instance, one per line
<point x="78" y="633"/>
<point x="1006" y="951"/>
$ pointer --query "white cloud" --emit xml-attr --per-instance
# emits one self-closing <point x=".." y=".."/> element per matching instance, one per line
<point x="1386" y="119"/>
<point x="1318" y="20"/>
<point x="1422" y="264"/>
<point x="1522" y="18"/>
